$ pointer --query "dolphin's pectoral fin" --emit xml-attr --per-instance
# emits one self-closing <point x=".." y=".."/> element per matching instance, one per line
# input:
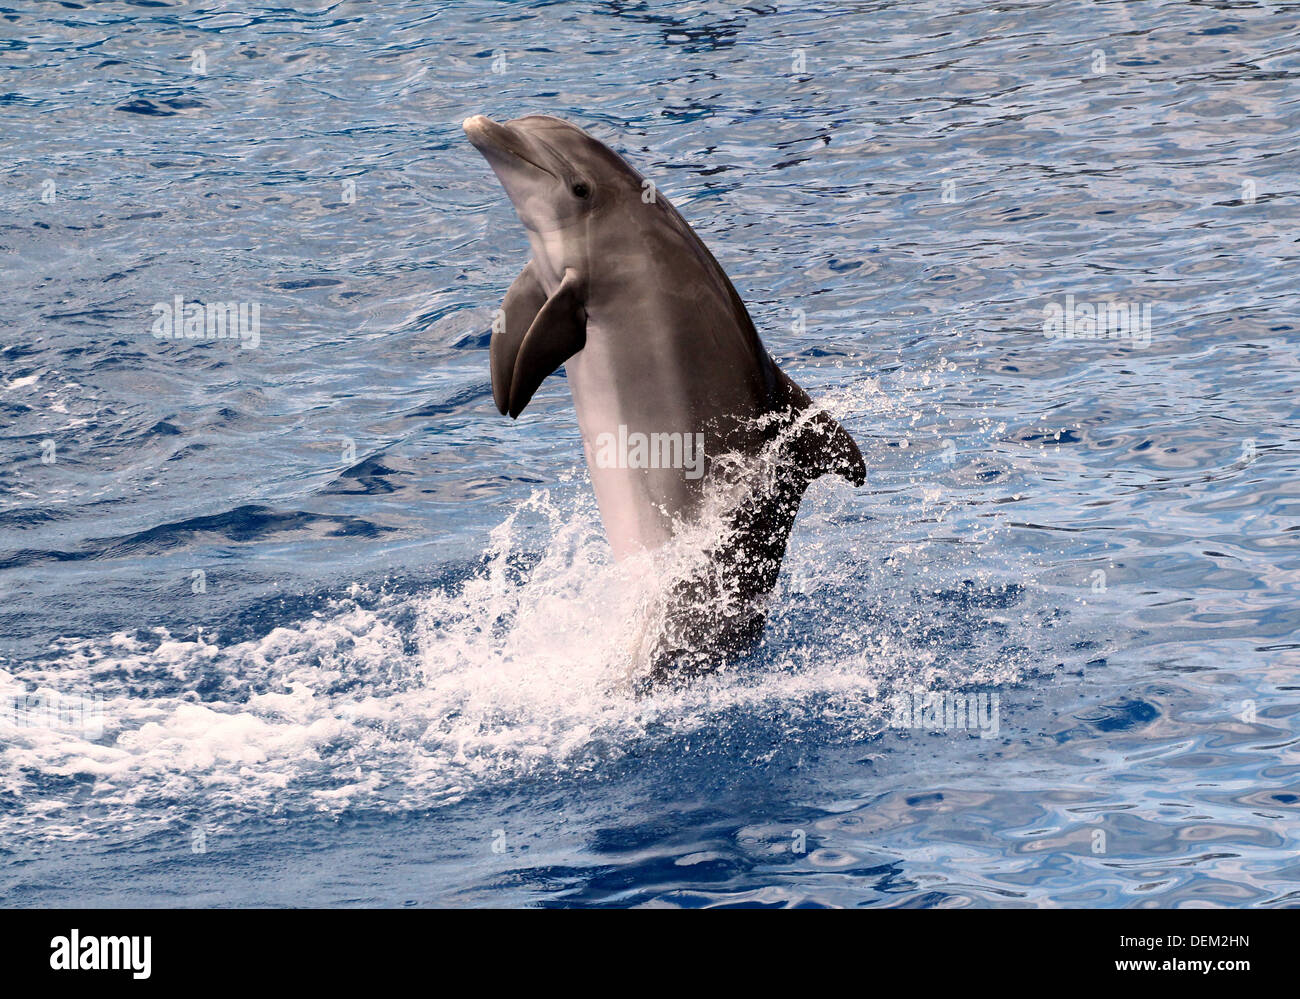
<point x="558" y="331"/>
<point x="523" y="301"/>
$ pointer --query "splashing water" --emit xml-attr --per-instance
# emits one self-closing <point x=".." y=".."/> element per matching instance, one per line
<point x="516" y="669"/>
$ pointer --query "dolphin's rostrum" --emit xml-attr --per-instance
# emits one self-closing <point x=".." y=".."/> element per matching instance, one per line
<point x="655" y="343"/>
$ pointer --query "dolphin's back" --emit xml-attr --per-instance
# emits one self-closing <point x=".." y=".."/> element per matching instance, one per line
<point x="823" y="447"/>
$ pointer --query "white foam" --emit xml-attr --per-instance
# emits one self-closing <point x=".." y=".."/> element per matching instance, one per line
<point x="512" y="677"/>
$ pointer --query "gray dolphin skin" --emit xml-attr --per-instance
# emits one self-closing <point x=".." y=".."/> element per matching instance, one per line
<point x="655" y="343"/>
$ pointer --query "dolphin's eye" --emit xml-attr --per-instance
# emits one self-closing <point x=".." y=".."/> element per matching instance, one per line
<point x="581" y="190"/>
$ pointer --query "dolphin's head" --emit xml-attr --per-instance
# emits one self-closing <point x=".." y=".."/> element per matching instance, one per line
<point x="554" y="173"/>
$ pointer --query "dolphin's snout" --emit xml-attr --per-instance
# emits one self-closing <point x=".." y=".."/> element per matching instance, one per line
<point x="476" y="124"/>
<point x="478" y="129"/>
<point x="504" y="144"/>
<point x="484" y="133"/>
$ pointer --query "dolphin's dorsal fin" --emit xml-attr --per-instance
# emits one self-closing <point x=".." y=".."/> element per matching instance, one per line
<point x="534" y="335"/>
<point x="818" y="444"/>
<point x="825" y="448"/>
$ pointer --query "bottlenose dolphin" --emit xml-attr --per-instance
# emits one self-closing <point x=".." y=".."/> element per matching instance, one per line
<point x="659" y="351"/>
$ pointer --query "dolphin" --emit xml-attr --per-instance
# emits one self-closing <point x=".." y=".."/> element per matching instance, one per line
<point x="658" y="351"/>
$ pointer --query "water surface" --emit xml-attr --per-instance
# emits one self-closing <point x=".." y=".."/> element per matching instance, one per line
<point x="357" y="638"/>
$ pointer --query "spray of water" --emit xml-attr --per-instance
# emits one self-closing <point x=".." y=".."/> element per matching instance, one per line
<point x="394" y="701"/>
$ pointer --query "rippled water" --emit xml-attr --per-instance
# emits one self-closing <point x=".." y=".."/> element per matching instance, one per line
<point x="349" y="637"/>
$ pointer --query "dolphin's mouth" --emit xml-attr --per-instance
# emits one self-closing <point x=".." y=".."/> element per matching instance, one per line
<point x="490" y="137"/>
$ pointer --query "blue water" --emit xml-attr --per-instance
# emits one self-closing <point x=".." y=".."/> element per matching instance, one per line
<point x="355" y="639"/>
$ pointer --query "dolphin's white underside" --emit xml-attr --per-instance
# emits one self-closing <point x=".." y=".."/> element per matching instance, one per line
<point x="637" y="505"/>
